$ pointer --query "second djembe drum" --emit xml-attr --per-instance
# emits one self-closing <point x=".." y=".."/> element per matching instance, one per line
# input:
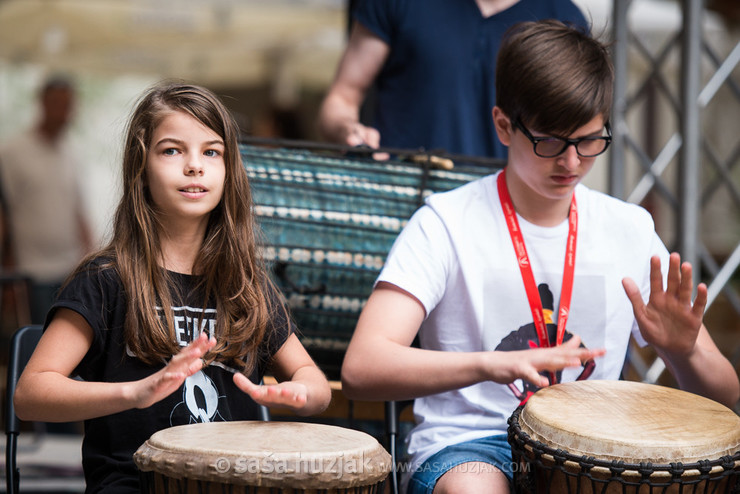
<point x="623" y="437"/>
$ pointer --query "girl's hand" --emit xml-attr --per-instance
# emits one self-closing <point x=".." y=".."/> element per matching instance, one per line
<point x="166" y="381"/>
<point x="669" y="321"/>
<point x="527" y="364"/>
<point x="289" y="394"/>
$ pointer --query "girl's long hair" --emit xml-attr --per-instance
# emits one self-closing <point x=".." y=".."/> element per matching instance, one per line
<point x="228" y="264"/>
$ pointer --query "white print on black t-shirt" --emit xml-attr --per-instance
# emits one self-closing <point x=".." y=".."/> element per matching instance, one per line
<point x="190" y="322"/>
<point x="200" y="397"/>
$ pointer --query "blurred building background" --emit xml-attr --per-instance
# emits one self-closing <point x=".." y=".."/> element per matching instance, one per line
<point x="273" y="60"/>
<point x="270" y="60"/>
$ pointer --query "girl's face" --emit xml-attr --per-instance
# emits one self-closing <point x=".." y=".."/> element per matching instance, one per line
<point x="185" y="168"/>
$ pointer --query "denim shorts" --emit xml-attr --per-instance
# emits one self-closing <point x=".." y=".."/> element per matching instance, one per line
<point x="494" y="450"/>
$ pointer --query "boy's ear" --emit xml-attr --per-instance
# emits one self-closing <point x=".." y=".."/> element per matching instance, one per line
<point x="502" y="123"/>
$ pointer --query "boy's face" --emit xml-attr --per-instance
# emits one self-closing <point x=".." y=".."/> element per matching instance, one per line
<point x="549" y="178"/>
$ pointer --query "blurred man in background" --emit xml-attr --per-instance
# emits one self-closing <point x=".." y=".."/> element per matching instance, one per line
<point x="45" y="232"/>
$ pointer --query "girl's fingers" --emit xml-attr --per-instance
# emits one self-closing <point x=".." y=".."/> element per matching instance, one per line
<point x="194" y="352"/>
<point x="173" y="376"/>
<point x="245" y="384"/>
<point x="204" y="343"/>
<point x="186" y="357"/>
<point x="271" y="395"/>
<point x="195" y="366"/>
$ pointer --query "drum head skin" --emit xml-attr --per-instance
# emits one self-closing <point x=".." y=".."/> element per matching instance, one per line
<point x="630" y="421"/>
<point x="271" y="454"/>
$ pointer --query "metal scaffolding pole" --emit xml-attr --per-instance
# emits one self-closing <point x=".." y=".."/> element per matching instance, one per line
<point x="620" y="37"/>
<point x="687" y="151"/>
<point x="689" y="157"/>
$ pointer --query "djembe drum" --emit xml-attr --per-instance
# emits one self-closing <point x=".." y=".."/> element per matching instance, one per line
<point x="623" y="437"/>
<point x="262" y="457"/>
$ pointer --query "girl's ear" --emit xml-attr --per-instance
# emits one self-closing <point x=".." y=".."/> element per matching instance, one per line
<point x="502" y="123"/>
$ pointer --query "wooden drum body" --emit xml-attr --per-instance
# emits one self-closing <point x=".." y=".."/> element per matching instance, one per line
<point x="262" y="457"/>
<point x="623" y="437"/>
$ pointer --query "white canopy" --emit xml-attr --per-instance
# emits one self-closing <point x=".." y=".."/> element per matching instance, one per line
<point x="216" y="42"/>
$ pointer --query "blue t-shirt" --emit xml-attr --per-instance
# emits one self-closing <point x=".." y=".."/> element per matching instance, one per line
<point x="436" y="90"/>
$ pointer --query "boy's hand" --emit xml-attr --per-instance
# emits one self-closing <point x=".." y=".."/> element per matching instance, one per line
<point x="669" y="321"/>
<point x="527" y="364"/>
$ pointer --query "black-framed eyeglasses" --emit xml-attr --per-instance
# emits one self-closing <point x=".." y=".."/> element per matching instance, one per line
<point x="551" y="146"/>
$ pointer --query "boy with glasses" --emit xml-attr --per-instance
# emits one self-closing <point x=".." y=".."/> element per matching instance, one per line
<point x="525" y="278"/>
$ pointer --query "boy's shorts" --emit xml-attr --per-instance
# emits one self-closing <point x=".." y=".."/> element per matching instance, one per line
<point x="493" y="450"/>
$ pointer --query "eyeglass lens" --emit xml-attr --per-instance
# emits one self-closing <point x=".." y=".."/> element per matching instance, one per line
<point x="586" y="147"/>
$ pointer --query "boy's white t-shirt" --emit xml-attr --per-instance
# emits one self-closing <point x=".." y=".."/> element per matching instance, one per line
<point x="456" y="256"/>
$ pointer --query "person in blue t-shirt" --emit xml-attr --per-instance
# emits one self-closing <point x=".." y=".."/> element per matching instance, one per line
<point x="432" y="63"/>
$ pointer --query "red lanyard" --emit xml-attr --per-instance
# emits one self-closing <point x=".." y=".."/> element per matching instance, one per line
<point x="530" y="286"/>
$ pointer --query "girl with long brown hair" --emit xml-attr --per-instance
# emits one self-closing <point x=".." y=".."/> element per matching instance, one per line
<point x="175" y="320"/>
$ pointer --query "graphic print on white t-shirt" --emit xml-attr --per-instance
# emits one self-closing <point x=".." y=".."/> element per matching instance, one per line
<point x="512" y="335"/>
<point x="526" y="337"/>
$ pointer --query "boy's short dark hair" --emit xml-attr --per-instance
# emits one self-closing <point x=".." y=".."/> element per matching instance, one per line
<point x="555" y="78"/>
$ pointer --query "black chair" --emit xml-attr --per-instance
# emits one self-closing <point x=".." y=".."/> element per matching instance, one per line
<point x="21" y="347"/>
<point x="393" y="411"/>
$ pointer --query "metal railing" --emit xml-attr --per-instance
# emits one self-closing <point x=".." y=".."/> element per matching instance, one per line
<point x="688" y="171"/>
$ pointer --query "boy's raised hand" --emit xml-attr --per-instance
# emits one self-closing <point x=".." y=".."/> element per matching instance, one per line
<point x="669" y="321"/>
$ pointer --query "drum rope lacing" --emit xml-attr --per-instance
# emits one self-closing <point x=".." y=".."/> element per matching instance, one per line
<point x="181" y="486"/>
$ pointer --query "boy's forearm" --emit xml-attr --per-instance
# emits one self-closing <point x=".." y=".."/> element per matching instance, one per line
<point x="706" y="373"/>
<point x="404" y="373"/>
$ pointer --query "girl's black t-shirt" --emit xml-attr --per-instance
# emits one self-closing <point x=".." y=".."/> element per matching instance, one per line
<point x="209" y="395"/>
